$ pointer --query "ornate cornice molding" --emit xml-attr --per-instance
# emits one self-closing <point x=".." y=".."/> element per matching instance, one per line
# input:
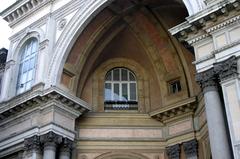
<point x="34" y="98"/>
<point x="173" y="152"/>
<point x="21" y="9"/>
<point x="206" y="79"/>
<point x="198" y="21"/>
<point x="191" y="148"/>
<point x="32" y="144"/>
<point x="226" y="69"/>
<point x="177" y="109"/>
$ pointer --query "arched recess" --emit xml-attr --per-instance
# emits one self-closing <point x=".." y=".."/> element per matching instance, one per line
<point x="75" y="28"/>
<point x="134" y="33"/>
<point x="121" y="155"/>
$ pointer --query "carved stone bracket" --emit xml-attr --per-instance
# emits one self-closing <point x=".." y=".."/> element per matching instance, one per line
<point x="32" y="143"/>
<point x="226" y="69"/>
<point x="173" y="152"/>
<point x="207" y="79"/>
<point x="191" y="148"/>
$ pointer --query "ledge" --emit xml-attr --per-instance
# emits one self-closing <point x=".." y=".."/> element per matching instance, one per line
<point x="34" y="98"/>
<point x="176" y="109"/>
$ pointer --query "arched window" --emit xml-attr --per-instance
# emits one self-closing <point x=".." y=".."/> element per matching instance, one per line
<point x="120" y="90"/>
<point x="27" y="65"/>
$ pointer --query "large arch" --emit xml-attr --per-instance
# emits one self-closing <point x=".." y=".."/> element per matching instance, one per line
<point x="75" y="28"/>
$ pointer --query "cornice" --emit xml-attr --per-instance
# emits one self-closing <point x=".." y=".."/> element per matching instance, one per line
<point x="34" y="98"/>
<point x="198" y="21"/>
<point x="21" y="9"/>
<point x="177" y="109"/>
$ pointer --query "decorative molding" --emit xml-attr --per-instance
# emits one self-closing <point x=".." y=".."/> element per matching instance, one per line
<point x="51" y="139"/>
<point x="177" y="109"/>
<point x="173" y="152"/>
<point x="223" y="24"/>
<point x="198" y="38"/>
<point x="66" y="145"/>
<point x="33" y="98"/>
<point x="226" y="69"/>
<point x="201" y="18"/>
<point x="20" y="10"/>
<point x="32" y="143"/>
<point x="206" y="79"/>
<point x="61" y="24"/>
<point x="191" y="148"/>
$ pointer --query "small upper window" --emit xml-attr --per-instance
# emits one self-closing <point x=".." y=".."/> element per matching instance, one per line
<point x="174" y="86"/>
<point x="120" y="90"/>
<point x="27" y="65"/>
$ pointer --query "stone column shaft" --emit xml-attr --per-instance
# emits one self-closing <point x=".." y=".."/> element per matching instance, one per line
<point x="215" y="118"/>
<point x="50" y="142"/>
<point x="65" y="149"/>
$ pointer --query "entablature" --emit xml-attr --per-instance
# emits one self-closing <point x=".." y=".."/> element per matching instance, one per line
<point x="178" y="109"/>
<point x="34" y="98"/>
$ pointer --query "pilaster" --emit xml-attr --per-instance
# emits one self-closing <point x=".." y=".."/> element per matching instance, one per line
<point x="227" y="71"/>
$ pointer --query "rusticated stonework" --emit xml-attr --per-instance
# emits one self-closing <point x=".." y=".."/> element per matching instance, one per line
<point x="173" y="152"/>
<point x="226" y="69"/>
<point x="191" y="148"/>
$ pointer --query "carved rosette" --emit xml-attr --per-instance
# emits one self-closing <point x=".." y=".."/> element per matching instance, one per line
<point x="173" y="152"/>
<point x="66" y="145"/>
<point x="32" y="143"/>
<point x="207" y="79"/>
<point x="226" y="69"/>
<point x="191" y="148"/>
<point x="51" y="140"/>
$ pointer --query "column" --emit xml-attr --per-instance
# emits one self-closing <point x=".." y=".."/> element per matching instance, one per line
<point x="65" y="149"/>
<point x="227" y="72"/>
<point x="32" y="148"/>
<point x="191" y="149"/>
<point x="215" y="118"/>
<point x="173" y="152"/>
<point x="50" y="142"/>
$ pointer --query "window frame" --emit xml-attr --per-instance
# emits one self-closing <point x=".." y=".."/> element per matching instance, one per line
<point x="121" y="101"/>
<point x="27" y="65"/>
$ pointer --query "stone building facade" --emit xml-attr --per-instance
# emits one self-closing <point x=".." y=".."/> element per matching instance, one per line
<point x="121" y="79"/>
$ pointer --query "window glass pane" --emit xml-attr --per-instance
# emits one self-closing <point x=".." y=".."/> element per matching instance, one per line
<point x="34" y="47"/>
<point x="108" y="91"/>
<point x="24" y="78"/>
<point x="28" y="85"/>
<point x="109" y="76"/>
<point x="116" y="75"/>
<point x="131" y="77"/>
<point x="31" y="63"/>
<point x="25" y="66"/>
<point x="30" y="75"/>
<point x="124" y="92"/>
<point x="28" y="49"/>
<point x="116" y="91"/>
<point x="124" y="74"/>
<point x="133" y="91"/>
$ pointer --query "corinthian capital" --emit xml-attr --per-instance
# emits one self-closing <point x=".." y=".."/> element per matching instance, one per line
<point x="226" y="69"/>
<point x="206" y="79"/>
<point x="191" y="148"/>
<point x="173" y="152"/>
<point x="51" y="139"/>
<point x="32" y="143"/>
